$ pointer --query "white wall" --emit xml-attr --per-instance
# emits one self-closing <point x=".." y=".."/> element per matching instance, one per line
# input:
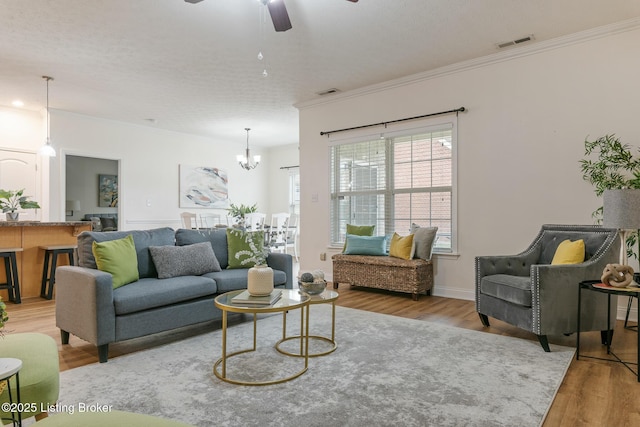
<point x="519" y="143"/>
<point x="282" y="156"/>
<point x="149" y="160"/>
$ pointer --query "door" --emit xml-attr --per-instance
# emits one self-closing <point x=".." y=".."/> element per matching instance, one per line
<point x="19" y="170"/>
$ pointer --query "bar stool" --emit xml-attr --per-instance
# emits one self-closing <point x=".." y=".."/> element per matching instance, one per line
<point x="51" y="253"/>
<point x="11" y="272"/>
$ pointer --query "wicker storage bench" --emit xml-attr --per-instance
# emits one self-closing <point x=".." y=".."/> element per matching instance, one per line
<point x="413" y="276"/>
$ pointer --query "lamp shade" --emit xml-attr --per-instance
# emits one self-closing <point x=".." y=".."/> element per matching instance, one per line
<point x="622" y="209"/>
<point x="73" y="205"/>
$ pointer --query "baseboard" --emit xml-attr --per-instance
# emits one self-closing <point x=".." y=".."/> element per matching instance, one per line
<point x="470" y="295"/>
<point x="456" y="293"/>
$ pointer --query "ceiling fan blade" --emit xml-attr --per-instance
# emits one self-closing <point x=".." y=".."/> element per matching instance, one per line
<point x="353" y="1"/>
<point x="193" y="1"/>
<point x="279" y="15"/>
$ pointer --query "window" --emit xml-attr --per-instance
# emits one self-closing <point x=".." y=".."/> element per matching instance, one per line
<point x="294" y="191"/>
<point x="395" y="181"/>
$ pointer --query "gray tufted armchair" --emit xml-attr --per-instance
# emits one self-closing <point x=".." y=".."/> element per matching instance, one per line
<point x="526" y="291"/>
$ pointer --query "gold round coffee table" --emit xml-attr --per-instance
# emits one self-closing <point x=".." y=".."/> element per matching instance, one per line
<point x="328" y="296"/>
<point x="291" y="299"/>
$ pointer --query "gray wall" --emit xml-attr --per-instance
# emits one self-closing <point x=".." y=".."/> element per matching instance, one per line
<point x="82" y="183"/>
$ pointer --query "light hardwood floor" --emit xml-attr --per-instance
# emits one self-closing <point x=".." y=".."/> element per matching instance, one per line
<point x="593" y="393"/>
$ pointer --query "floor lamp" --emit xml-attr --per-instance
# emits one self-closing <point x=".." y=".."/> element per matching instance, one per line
<point x="622" y="211"/>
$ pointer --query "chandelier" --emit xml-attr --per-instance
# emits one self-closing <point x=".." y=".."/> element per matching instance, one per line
<point x="245" y="160"/>
<point x="47" y="150"/>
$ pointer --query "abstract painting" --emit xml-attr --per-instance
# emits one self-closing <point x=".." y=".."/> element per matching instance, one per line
<point x="203" y="187"/>
<point x="108" y="191"/>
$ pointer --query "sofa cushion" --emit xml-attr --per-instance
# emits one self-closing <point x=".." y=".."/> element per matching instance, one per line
<point x="245" y="249"/>
<point x="217" y="238"/>
<point x="117" y="257"/>
<point x="550" y="239"/>
<point x="365" y="245"/>
<point x="515" y="289"/>
<point x="189" y="260"/>
<point x="141" y="238"/>
<point x="149" y="293"/>
<point x="230" y="280"/>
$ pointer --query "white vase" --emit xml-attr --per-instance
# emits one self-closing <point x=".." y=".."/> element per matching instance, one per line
<point x="12" y="216"/>
<point x="260" y="280"/>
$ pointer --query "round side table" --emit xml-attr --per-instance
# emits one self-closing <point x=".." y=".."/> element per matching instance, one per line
<point x="326" y="297"/>
<point x="10" y="367"/>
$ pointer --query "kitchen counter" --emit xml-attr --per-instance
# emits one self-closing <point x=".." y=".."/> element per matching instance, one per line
<point x="30" y="235"/>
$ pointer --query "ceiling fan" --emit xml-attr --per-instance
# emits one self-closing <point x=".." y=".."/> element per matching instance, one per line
<point x="277" y="10"/>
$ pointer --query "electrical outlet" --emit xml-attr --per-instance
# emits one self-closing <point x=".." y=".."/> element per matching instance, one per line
<point x="323" y="256"/>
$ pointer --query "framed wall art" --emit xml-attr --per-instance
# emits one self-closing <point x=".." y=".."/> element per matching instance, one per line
<point x="203" y="187"/>
<point x="108" y="191"/>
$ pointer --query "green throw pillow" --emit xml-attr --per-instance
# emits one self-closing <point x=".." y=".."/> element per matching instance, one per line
<point x="358" y="230"/>
<point x="119" y="258"/>
<point x="245" y="249"/>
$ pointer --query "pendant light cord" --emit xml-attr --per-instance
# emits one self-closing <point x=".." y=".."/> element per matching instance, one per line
<point x="47" y="78"/>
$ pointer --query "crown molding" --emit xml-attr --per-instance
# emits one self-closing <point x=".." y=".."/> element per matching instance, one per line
<point x="507" y="55"/>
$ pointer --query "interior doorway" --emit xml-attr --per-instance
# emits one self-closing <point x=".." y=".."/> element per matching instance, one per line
<point x="91" y="188"/>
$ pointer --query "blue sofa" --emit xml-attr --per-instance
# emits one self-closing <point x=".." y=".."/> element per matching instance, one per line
<point x="88" y="307"/>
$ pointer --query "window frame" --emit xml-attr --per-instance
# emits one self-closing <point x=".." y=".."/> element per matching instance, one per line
<point x="398" y="131"/>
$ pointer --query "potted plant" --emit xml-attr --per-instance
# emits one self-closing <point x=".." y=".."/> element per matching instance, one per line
<point x="239" y="211"/>
<point x="614" y="168"/>
<point x="3" y="316"/>
<point x="11" y="200"/>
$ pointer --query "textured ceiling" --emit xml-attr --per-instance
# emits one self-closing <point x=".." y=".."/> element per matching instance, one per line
<point x="193" y="68"/>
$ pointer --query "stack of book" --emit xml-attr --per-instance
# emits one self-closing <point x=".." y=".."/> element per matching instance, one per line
<point x="245" y="298"/>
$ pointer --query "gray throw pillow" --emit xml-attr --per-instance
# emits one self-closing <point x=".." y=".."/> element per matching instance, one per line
<point x="189" y="260"/>
<point x="423" y="239"/>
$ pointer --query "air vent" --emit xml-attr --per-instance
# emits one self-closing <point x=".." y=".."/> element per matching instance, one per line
<point x="516" y="41"/>
<point x="328" y="91"/>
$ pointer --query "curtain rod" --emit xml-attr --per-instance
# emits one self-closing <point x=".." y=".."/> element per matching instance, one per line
<point x="457" y="110"/>
<point x="289" y="167"/>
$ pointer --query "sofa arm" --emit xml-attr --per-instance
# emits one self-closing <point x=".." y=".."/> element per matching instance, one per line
<point x="84" y="304"/>
<point x="554" y="293"/>
<point x="282" y="262"/>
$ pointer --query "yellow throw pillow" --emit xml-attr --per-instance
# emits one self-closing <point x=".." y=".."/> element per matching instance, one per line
<point x="569" y="252"/>
<point x="401" y="247"/>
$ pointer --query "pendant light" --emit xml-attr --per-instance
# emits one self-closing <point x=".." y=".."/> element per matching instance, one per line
<point x="245" y="161"/>
<point x="47" y="150"/>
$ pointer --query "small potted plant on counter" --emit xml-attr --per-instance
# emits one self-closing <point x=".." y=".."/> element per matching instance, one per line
<point x="11" y="201"/>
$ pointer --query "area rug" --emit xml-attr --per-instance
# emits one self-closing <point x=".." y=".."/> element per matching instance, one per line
<point x="386" y="370"/>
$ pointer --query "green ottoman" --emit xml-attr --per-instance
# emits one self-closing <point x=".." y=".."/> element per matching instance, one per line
<point x="107" y="419"/>
<point x="39" y="376"/>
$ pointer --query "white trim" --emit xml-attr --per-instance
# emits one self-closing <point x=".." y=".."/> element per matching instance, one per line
<point x="521" y="51"/>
